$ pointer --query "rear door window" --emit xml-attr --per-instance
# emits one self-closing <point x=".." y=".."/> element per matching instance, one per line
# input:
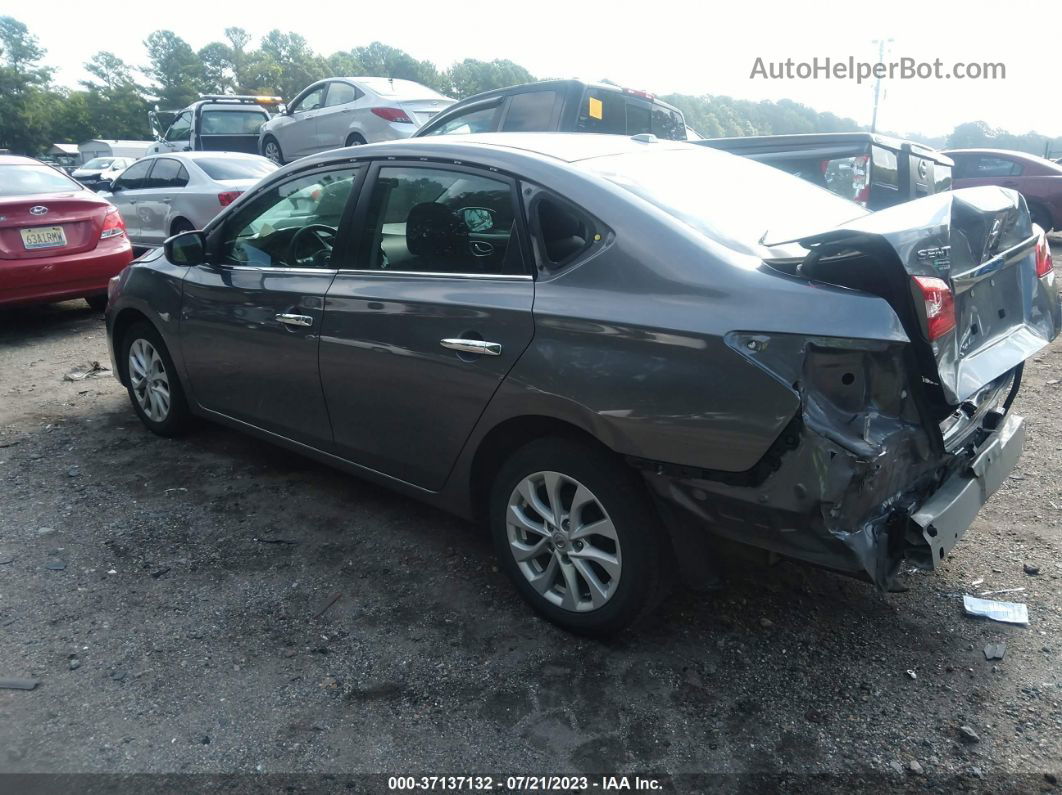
<point x="167" y="173"/>
<point x="531" y="111"/>
<point x="341" y="94"/>
<point x="986" y="166"/>
<point x="602" y="111"/>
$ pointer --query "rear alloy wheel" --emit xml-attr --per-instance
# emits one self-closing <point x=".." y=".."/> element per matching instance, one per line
<point x="271" y="149"/>
<point x="574" y="529"/>
<point x="154" y="388"/>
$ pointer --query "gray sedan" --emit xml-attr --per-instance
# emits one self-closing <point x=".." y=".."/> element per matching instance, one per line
<point x="610" y="350"/>
<point x="162" y="195"/>
<point x="348" y="111"/>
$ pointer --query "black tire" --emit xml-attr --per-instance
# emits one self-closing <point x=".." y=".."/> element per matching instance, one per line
<point x="621" y="497"/>
<point x="176" y="419"/>
<point x="1040" y="217"/>
<point x="97" y="303"/>
<point x="181" y="225"/>
<point x="267" y="146"/>
<point x="356" y="139"/>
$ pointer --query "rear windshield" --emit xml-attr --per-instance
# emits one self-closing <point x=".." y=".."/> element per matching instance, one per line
<point x="399" y="88"/>
<point x="30" y="179"/>
<point x="220" y="168"/>
<point x="232" y="122"/>
<point x="733" y="200"/>
<point x="99" y="162"/>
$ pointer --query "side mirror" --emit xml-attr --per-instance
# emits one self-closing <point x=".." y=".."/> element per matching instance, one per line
<point x="187" y="248"/>
<point x="477" y="219"/>
<point x="107" y="185"/>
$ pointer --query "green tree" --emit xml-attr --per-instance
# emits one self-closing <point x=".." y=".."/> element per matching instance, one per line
<point x="115" y="103"/>
<point x="470" y="76"/>
<point x="380" y="60"/>
<point x="175" y="70"/>
<point x="285" y="64"/>
<point x="25" y="119"/>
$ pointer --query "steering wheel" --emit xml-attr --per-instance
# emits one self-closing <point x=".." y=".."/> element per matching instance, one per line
<point x="322" y="234"/>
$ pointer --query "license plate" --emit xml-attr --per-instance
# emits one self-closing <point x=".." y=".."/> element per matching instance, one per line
<point x="43" y="237"/>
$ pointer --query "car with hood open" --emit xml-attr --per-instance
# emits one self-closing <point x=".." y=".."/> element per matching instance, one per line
<point x="610" y="350"/>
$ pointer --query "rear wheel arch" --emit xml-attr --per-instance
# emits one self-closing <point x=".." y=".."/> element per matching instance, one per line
<point x="506" y="438"/>
<point x="355" y="138"/>
<point x="180" y="224"/>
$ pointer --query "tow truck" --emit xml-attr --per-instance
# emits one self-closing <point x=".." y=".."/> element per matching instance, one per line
<point x="214" y="122"/>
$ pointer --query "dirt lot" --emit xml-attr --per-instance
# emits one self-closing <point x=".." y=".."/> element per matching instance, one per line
<point x="173" y="598"/>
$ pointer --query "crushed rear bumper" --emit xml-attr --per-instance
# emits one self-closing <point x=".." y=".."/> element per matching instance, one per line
<point x="942" y="520"/>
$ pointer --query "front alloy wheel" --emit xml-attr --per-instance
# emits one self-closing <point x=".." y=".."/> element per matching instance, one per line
<point x="563" y="541"/>
<point x="149" y="381"/>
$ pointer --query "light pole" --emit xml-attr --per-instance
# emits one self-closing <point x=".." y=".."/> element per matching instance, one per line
<point x="877" y="84"/>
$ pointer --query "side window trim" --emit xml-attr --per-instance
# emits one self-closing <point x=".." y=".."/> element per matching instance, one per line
<point x="358" y="222"/>
<point x="215" y="229"/>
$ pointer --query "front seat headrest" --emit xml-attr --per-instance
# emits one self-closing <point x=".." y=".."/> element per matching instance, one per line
<point x="433" y="229"/>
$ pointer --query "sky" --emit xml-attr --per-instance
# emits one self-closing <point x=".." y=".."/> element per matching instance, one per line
<point x="677" y="46"/>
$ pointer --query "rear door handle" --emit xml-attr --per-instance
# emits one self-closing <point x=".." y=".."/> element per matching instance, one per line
<point x="480" y="347"/>
<point x="294" y="320"/>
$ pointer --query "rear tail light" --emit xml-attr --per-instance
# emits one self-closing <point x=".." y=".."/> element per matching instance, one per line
<point x="113" y="225"/>
<point x="940" y="305"/>
<point x="1044" y="265"/>
<point x="228" y="197"/>
<point x="393" y="114"/>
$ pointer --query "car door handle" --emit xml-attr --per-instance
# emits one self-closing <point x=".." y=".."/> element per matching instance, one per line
<point x="472" y="346"/>
<point x="294" y="320"/>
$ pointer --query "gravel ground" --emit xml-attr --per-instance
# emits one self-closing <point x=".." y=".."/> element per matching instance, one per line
<point x="214" y="605"/>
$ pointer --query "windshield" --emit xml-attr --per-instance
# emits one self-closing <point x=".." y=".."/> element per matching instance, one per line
<point x="730" y="199"/>
<point x="249" y="168"/>
<point x="386" y="87"/>
<point x="99" y="162"/>
<point x="30" y="179"/>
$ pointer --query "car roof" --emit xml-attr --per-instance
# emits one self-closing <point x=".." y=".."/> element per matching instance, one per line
<point x="18" y="160"/>
<point x="542" y="85"/>
<point x="497" y="149"/>
<point x="987" y="151"/>
<point x="206" y="154"/>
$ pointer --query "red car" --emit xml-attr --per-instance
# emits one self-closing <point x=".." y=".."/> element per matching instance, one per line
<point x="58" y="240"/>
<point x="1037" y="179"/>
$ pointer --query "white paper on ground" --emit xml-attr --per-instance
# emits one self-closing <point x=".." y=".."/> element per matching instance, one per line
<point x="1007" y="612"/>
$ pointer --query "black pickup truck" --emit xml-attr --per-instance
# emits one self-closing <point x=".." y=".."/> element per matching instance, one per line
<point x="214" y="123"/>
<point x="874" y="170"/>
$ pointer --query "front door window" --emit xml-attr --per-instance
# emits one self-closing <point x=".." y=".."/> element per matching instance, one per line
<point x="294" y="224"/>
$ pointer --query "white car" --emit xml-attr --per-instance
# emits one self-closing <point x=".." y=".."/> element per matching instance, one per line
<point x="100" y="170"/>
<point x="162" y="195"/>
<point x="347" y="111"/>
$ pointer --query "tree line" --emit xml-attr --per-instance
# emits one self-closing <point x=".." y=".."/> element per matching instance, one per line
<point x="114" y="100"/>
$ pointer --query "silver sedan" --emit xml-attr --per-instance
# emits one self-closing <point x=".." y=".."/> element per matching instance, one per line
<point x="163" y="195"/>
<point x="348" y="111"/>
